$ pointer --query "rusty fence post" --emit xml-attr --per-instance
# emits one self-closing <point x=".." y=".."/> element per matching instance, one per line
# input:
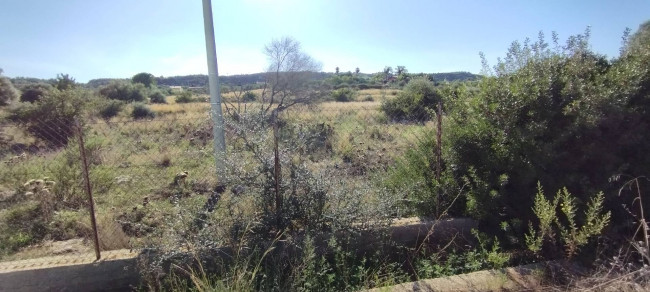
<point x="87" y="187"/>
<point x="277" y="172"/>
<point x="439" y="156"/>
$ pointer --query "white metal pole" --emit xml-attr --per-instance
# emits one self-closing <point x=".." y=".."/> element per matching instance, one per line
<point x="215" y="92"/>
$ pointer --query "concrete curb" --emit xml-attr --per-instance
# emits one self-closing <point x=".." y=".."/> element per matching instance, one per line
<point x="118" y="270"/>
<point x="521" y="278"/>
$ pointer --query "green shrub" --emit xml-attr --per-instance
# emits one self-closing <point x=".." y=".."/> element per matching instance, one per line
<point x="564" y="116"/>
<point x="157" y="97"/>
<point x="572" y="236"/>
<point x="8" y="92"/>
<point x="34" y="92"/>
<point x="141" y="111"/>
<point x="249" y="96"/>
<point x="185" y="97"/>
<point x="52" y="118"/>
<point x="146" y="79"/>
<point x="487" y="255"/>
<point x="20" y="226"/>
<point x="67" y="224"/>
<point x="414" y="178"/>
<point x="124" y="91"/>
<point x="111" y="109"/>
<point x="201" y="98"/>
<point x="414" y="103"/>
<point x="343" y="94"/>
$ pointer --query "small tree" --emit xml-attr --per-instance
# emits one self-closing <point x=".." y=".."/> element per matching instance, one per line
<point x="64" y="82"/>
<point x="414" y="102"/>
<point x="124" y="91"/>
<point x="52" y="118"/>
<point x="147" y="79"/>
<point x="288" y="83"/>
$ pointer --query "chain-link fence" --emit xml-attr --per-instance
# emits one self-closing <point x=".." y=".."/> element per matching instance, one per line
<point x="153" y="177"/>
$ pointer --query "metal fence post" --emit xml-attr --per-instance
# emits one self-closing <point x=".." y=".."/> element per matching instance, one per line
<point x="215" y="93"/>
<point x="87" y="187"/>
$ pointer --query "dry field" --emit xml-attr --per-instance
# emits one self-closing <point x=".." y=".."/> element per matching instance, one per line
<point x="134" y="166"/>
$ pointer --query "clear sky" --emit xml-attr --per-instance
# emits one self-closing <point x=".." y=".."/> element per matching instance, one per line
<point x="118" y="38"/>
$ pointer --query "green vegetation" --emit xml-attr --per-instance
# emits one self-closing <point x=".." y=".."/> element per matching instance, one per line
<point x="343" y="95"/>
<point x="306" y="178"/>
<point x="34" y="92"/>
<point x="141" y="111"/>
<point x="124" y="91"/>
<point x="52" y="118"/>
<point x="185" y="97"/>
<point x="562" y="116"/>
<point x="157" y="97"/>
<point x="111" y="109"/>
<point x="572" y="236"/>
<point x="146" y="79"/>
<point x="249" y="96"/>
<point x="8" y="92"/>
<point x="415" y="103"/>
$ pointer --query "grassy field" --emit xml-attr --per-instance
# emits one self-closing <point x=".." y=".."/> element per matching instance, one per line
<point x="134" y="168"/>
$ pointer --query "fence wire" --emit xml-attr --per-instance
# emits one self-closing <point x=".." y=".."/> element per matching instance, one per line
<point x="150" y="176"/>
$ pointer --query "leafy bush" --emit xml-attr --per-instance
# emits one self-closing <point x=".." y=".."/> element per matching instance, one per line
<point x="458" y="262"/>
<point x="111" y="109"/>
<point x="64" y="82"/>
<point x="157" y="97"/>
<point x="185" y="97"/>
<point x="67" y="224"/>
<point x="343" y="94"/>
<point x="141" y="111"/>
<point x="249" y="96"/>
<point x="146" y="79"/>
<point x="20" y="226"/>
<point x="414" y="103"/>
<point x="8" y="92"/>
<point x="52" y="118"/>
<point x="34" y="92"/>
<point x="124" y="91"/>
<point x="564" y="116"/>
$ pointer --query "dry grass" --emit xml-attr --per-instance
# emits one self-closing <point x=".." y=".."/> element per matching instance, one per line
<point x="131" y="154"/>
<point x="378" y="95"/>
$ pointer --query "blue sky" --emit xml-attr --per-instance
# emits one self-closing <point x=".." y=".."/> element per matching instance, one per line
<point x="119" y="38"/>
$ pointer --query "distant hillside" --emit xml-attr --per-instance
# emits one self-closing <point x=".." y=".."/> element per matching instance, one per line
<point x="20" y="82"/>
<point x="243" y="79"/>
<point x="232" y="80"/>
<point x="455" y="76"/>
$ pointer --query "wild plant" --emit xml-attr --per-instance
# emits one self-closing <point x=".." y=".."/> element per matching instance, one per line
<point x="571" y="235"/>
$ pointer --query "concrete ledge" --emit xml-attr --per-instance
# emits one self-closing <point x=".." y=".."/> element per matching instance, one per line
<point x="118" y="270"/>
<point x="522" y="278"/>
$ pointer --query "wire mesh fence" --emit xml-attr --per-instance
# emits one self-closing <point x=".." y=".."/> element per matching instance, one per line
<point x="149" y="177"/>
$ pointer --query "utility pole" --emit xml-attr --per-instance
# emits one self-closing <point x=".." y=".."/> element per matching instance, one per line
<point x="215" y="93"/>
